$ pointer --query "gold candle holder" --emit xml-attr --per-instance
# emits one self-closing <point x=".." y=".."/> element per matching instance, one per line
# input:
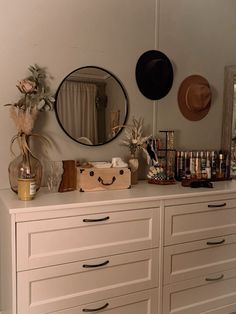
<point x="26" y="189"/>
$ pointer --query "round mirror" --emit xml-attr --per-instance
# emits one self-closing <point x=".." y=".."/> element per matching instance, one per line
<point x="91" y="104"/>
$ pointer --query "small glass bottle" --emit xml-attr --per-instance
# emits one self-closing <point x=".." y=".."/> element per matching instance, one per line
<point x="186" y="165"/>
<point x="221" y="167"/>
<point x="192" y="164"/>
<point x="213" y="165"/>
<point x="179" y="165"/>
<point x="208" y="165"/>
<point x="198" y="166"/>
<point x="203" y="165"/>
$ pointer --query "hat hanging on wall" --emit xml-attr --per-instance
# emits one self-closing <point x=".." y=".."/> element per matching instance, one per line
<point x="154" y="74"/>
<point x="194" y="97"/>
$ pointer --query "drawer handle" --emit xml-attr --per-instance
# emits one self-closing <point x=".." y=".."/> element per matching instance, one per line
<point x="217" y="205"/>
<point x="215" y="242"/>
<point x="97" y="309"/>
<point x="95" y="265"/>
<point x="95" y="220"/>
<point x="215" y="279"/>
<point x="112" y="181"/>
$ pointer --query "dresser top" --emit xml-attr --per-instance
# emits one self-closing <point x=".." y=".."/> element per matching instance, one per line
<point x="141" y="192"/>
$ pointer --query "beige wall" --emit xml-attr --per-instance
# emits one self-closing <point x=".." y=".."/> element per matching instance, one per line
<point x="64" y="35"/>
<point x="198" y="36"/>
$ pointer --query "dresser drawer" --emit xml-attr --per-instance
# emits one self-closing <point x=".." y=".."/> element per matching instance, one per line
<point x="59" y="287"/>
<point x="145" y="302"/>
<point x="189" y="260"/>
<point x="201" y="296"/>
<point x="54" y="241"/>
<point x="190" y="222"/>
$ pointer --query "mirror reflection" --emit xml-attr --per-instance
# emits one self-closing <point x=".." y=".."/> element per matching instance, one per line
<point x="90" y="102"/>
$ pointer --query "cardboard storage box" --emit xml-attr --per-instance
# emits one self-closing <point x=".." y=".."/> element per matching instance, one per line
<point x="101" y="179"/>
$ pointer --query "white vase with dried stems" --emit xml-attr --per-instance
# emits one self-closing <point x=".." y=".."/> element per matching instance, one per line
<point x="136" y="142"/>
<point x="25" y="170"/>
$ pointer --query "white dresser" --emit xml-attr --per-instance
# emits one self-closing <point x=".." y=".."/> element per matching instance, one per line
<point x="147" y="250"/>
<point x="200" y="255"/>
<point x="63" y="253"/>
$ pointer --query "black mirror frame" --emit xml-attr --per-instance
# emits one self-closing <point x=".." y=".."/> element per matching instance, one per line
<point x="126" y="100"/>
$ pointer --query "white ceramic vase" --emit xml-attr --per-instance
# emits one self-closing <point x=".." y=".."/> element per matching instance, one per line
<point x="133" y="165"/>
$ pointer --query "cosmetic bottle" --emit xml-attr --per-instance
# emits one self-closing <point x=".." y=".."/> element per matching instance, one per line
<point x="198" y="165"/>
<point x="192" y="164"/>
<point x="213" y="165"/>
<point x="186" y="163"/>
<point x="221" y="167"/>
<point x="208" y="165"/>
<point x="203" y="165"/>
<point x="179" y="165"/>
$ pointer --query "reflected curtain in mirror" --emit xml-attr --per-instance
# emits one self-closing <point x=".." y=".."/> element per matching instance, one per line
<point x="80" y="116"/>
<point x="90" y="102"/>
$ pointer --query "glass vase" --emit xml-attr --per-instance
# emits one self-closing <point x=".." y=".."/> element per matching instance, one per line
<point x="23" y="168"/>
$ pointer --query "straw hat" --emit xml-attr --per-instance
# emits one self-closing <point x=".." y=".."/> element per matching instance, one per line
<point x="154" y="74"/>
<point x="194" y="97"/>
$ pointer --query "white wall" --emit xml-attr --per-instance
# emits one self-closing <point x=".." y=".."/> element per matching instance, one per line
<point x="62" y="35"/>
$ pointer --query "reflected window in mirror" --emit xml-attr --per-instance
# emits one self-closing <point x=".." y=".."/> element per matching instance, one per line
<point x="90" y="103"/>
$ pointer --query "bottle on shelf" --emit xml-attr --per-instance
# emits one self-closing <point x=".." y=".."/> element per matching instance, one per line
<point x="221" y="166"/>
<point x="187" y="173"/>
<point x="198" y="165"/>
<point x="203" y="165"/>
<point x="213" y="165"/>
<point x="192" y="164"/>
<point x="208" y="165"/>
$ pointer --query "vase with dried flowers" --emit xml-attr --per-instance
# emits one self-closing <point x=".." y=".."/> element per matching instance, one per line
<point x="25" y="171"/>
<point x="136" y="142"/>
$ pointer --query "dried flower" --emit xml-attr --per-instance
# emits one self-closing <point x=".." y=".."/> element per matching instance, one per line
<point x="134" y="138"/>
<point x="26" y="86"/>
<point x="35" y="90"/>
<point x="36" y="96"/>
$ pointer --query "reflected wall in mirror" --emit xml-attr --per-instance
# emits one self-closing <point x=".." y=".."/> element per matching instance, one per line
<point x="228" y="140"/>
<point x="90" y="102"/>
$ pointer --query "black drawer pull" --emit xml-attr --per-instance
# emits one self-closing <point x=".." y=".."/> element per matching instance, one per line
<point x="97" y="309"/>
<point x="103" y="183"/>
<point x="217" y="205"/>
<point x="96" y="220"/>
<point x="215" y="279"/>
<point x="215" y="242"/>
<point x="95" y="265"/>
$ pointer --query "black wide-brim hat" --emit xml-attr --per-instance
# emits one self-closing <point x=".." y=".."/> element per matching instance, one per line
<point x="154" y="74"/>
